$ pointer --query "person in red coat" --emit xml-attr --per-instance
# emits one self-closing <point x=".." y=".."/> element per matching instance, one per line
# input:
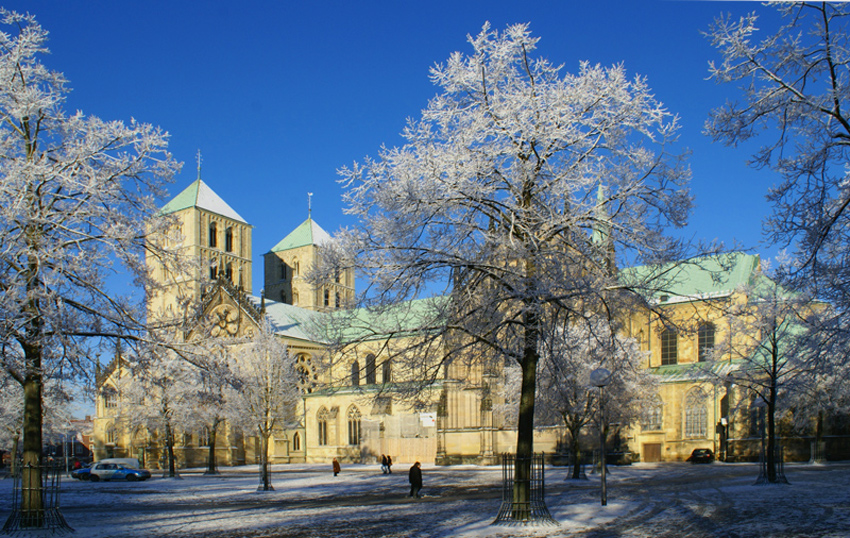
<point x="336" y="467"/>
<point x="415" y="479"/>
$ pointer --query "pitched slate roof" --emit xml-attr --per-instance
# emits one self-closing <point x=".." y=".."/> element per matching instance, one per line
<point x="290" y="321"/>
<point x="307" y="233"/>
<point x="200" y="195"/>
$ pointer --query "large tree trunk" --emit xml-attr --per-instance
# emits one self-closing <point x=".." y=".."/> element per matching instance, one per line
<point x="771" y="438"/>
<point x="169" y="447"/>
<point x="32" y="505"/>
<point x="525" y="429"/>
<point x="575" y="448"/>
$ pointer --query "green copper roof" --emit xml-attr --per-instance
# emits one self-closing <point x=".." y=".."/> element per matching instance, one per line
<point x="697" y="278"/>
<point x="307" y="233"/>
<point x="200" y="195"/>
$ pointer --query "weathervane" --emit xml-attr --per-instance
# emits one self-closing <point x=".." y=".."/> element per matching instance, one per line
<point x="309" y="205"/>
<point x="199" y="163"/>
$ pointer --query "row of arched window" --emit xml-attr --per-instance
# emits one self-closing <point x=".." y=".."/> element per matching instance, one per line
<point x="213" y="237"/>
<point x="695" y="415"/>
<point x="370" y="372"/>
<point x="324" y="417"/>
<point x="670" y="344"/>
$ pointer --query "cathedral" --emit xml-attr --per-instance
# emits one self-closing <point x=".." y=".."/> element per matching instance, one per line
<point x="349" y="411"/>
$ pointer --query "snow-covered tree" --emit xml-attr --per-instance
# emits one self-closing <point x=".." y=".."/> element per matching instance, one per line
<point x="794" y="84"/>
<point x="772" y="346"/>
<point x="75" y="191"/>
<point x="516" y="195"/>
<point x="265" y="390"/>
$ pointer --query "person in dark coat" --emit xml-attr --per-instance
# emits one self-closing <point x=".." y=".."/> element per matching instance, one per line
<point x="390" y="464"/>
<point x="336" y="467"/>
<point x="415" y="478"/>
<point x="384" y="463"/>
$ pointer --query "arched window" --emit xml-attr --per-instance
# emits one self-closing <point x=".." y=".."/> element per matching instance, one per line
<point x="296" y="267"/>
<point x="204" y="436"/>
<point x="295" y="298"/>
<point x="110" y="398"/>
<point x="187" y="439"/>
<point x="387" y="371"/>
<point x="282" y="269"/>
<point x="705" y="342"/>
<point x="110" y="435"/>
<point x="228" y="272"/>
<point x="213" y="235"/>
<point x="696" y="414"/>
<point x="355" y="374"/>
<point x="327" y="297"/>
<point x="353" y="426"/>
<point x="653" y="415"/>
<point x="213" y="270"/>
<point x="322" y="418"/>
<point x="296" y="442"/>
<point x="669" y="347"/>
<point x="370" y="369"/>
<point x="228" y="239"/>
<point x="283" y="296"/>
<point x="338" y="300"/>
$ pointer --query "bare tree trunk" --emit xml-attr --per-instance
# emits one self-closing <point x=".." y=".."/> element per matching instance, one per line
<point x="771" y="437"/>
<point x="211" y="462"/>
<point x="169" y="447"/>
<point x="525" y="429"/>
<point x="265" y="474"/>
<point x="575" y="447"/>
<point x="32" y="506"/>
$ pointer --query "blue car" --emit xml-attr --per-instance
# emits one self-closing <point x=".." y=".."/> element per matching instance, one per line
<point x="116" y="471"/>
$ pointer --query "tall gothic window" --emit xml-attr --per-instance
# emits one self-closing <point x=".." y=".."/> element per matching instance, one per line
<point x="669" y="347"/>
<point x="338" y="301"/>
<point x="322" y="418"/>
<point x="355" y="374"/>
<point x="705" y="341"/>
<point x="370" y="369"/>
<point x="696" y="414"/>
<point x="204" y="436"/>
<point x="282" y="270"/>
<point x="327" y="297"/>
<point x="295" y="297"/>
<point x="353" y="426"/>
<point x="653" y="416"/>
<point x="387" y="371"/>
<point x="228" y="272"/>
<point x="228" y="239"/>
<point x="296" y="442"/>
<point x="213" y="235"/>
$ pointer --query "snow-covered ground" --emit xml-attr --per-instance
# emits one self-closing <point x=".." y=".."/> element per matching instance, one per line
<point x="644" y="500"/>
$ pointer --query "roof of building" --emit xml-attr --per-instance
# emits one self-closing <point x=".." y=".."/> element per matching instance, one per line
<point x="706" y="277"/>
<point x="291" y="321"/>
<point x="201" y="196"/>
<point x="307" y="233"/>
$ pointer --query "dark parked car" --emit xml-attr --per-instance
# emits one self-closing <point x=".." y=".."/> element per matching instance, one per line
<point x="83" y="473"/>
<point x="701" y="455"/>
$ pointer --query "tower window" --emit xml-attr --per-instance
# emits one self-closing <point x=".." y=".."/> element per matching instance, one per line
<point x="213" y="235"/>
<point x="327" y="298"/>
<point x="370" y="369"/>
<point x="669" y="347"/>
<point x="228" y="239"/>
<point x="228" y="272"/>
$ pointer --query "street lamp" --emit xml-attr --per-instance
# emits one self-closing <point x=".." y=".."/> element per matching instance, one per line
<point x="600" y="378"/>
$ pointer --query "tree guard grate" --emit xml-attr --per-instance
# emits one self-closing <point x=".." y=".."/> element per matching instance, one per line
<point x="43" y="518"/>
<point x="515" y="511"/>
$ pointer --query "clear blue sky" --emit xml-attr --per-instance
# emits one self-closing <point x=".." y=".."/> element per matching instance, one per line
<point x="278" y="95"/>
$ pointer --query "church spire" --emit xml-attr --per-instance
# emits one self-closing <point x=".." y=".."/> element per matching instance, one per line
<point x="198" y="157"/>
<point x="309" y="205"/>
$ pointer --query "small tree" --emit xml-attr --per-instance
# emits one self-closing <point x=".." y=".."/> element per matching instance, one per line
<point x="265" y="390"/>
<point x="769" y="339"/>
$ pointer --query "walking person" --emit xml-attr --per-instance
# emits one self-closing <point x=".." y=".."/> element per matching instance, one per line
<point x="336" y="467"/>
<point x="384" y="468"/>
<point x="390" y="464"/>
<point x="415" y="479"/>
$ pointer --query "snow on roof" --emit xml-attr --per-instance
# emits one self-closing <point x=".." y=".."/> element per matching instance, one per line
<point x="290" y="321"/>
<point x="200" y="195"/>
<point x="307" y="233"/>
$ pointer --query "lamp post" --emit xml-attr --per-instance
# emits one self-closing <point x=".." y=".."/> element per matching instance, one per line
<point x="600" y="378"/>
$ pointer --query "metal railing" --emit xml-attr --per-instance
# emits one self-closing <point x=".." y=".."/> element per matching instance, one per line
<point x="39" y="486"/>
<point x="517" y="509"/>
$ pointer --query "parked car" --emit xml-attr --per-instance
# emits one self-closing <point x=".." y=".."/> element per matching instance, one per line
<point x="83" y="473"/>
<point x="701" y="455"/>
<point x="116" y="471"/>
